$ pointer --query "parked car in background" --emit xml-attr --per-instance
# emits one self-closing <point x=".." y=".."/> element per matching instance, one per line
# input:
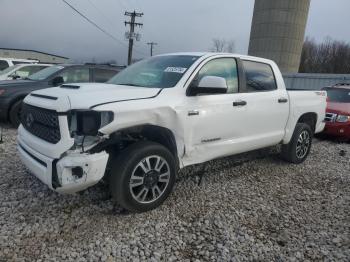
<point x="338" y="111"/>
<point x="13" y="92"/>
<point x="21" y="71"/>
<point x="160" y="115"/>
<point x="7" y="62"/>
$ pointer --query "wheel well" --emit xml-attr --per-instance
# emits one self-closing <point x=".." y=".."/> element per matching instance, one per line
<point x="125" y="137"/>
<point x="309" y="119"/>
<point x="14" y="101"/>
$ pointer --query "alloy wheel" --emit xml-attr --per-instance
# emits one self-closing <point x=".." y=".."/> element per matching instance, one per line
<point x="149" y="179"/>
<point x="303" y="144"/>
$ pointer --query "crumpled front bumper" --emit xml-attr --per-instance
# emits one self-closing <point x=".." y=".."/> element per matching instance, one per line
<point x="70" y="174"/>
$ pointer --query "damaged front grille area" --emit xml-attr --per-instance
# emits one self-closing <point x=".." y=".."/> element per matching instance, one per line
<point x="41" y="122"/>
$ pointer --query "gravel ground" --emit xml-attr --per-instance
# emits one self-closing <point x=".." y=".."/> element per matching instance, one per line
<point x="263" y="210"/>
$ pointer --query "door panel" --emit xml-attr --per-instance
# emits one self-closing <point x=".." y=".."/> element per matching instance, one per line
<point x="263" y="120"/>
<point x="210" y="131"/>
<point x="234" y="123"/>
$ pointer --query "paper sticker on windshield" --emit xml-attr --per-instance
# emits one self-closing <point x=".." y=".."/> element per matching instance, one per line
<point x="179" y="70"/>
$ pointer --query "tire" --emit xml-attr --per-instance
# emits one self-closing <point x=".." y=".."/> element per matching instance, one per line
<point x="15" y="114"/>
<point x="299" y="146"/>
<point x="129" y="178"/>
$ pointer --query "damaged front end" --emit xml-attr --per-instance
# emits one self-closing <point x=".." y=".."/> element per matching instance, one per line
<point x="66" y="166"/>
<point x="78" y="168"/>
<point x="78" y="171"/>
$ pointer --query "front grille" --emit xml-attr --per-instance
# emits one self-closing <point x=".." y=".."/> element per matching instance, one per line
<point x="41" y="122"/>
<point x="330" y="117"/>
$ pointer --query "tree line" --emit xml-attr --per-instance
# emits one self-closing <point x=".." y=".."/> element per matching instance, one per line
<point x="329" y="57"/>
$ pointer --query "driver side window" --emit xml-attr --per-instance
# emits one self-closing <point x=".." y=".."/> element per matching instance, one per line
<point x="222" y="67"/>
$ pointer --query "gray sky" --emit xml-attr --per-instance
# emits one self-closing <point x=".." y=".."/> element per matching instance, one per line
<point x="181" y="25"/>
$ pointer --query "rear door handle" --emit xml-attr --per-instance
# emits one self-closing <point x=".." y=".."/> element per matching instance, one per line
<point x="282" y="100"/>
<point x="239" y="103"/>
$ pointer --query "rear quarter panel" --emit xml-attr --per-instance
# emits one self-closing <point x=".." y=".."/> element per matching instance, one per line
<point x="302" y="102"/>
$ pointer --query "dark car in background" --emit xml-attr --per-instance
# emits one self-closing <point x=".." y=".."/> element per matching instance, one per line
<point x="12" y="93"/>
<point x="338" y="111"/>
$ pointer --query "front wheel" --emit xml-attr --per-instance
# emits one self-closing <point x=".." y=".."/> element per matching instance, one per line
<point x="142" y="176"/>
<point x="298" y="148"/>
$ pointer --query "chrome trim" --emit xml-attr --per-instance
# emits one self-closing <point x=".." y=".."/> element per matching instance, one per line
<point x="330" y="117"/>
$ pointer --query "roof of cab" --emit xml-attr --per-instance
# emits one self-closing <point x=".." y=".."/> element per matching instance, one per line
<point x="211" y="54"/>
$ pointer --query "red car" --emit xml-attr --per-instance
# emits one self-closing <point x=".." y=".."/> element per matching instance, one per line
<point x="338" y="111"/>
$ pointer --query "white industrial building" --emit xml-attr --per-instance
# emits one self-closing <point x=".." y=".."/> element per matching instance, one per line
<point x="32" y="54"/>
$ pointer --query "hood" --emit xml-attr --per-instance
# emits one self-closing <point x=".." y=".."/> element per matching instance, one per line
<point x="89" y="95"/>
<point x="340" y="108"/>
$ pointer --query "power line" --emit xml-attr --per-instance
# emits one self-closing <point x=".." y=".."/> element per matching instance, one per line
<point x="93" y="23"/>
<point x="110" y="22"/>
<point x="102" y="13"/>
<point x="98" y="27"/>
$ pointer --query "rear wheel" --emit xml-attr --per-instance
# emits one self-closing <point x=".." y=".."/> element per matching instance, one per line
<point x="299" y="146"/>
<point x="15" y="113"/>
<point x="142" y="176"/>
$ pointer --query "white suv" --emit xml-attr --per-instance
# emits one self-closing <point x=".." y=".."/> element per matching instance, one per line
<point x="21" y="71"/>
<point x="7" y="62"/>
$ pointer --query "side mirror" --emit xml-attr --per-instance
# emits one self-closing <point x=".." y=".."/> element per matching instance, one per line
<point x="58" y="80"/>
<point x="209" y="85"/>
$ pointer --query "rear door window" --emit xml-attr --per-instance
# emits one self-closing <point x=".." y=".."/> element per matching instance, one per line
<point x="103" y="75"/>
<point x="76" y="75"/>
<point x="3" y="65"/>
<point x="259" y="77"/>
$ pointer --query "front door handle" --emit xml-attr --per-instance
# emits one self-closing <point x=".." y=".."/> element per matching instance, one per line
<point x="193" y="113"/>
<point x="239" y="103"/>
<point x="282" y="100"/>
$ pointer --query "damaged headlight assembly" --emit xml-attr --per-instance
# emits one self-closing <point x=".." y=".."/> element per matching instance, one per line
<point x="84" y="125"/>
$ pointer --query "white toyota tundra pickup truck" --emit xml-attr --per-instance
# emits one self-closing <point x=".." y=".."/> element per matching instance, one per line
<point x="160" y="115"/>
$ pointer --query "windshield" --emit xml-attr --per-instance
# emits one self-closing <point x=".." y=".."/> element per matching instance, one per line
<point x="159" y="71"/>
<point x="45" y="73"/>
<point x="339" y="95"/>
<point x="8" y="70"/>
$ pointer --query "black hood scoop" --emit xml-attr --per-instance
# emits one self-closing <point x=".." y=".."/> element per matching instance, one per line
<point x="70" y="86"/>
<point x="45" y="96"/>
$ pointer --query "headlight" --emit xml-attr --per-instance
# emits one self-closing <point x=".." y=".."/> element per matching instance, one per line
<point x="342" y="118"/>
<point x="88" y="122"/>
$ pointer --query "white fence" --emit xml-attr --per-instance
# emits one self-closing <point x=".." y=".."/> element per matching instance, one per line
<point x="314" y="81"/>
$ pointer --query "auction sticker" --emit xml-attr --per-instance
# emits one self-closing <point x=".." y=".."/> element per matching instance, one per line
<point x="179" y="70"/>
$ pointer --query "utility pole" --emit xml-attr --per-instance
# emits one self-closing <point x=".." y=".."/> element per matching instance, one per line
<point x="131" y="34"/>
<point x="152" y="44"/>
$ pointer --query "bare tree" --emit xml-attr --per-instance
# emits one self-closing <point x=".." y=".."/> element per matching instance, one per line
<point x="330" y="56"/>
<point x="218" y="45"/>
<point x="230" y="46"/>
<point x="222" y="45"/>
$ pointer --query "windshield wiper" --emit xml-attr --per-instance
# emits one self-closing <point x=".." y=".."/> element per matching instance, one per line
<point x="131" y="85"/>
